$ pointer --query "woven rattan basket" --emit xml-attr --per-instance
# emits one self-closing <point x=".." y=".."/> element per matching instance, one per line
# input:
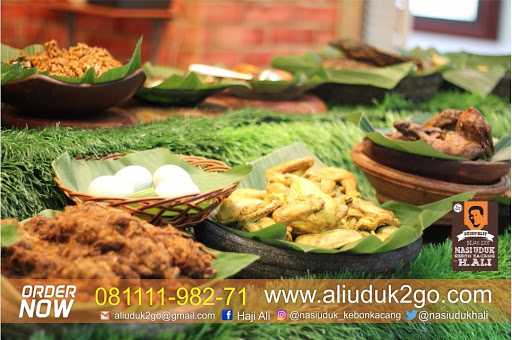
<point x="178" y="211"/>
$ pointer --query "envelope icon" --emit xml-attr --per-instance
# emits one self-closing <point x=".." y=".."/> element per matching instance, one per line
<point x="105" y="315"/>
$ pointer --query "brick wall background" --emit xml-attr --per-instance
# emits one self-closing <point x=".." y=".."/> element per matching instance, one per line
<point x="205" y="31"/>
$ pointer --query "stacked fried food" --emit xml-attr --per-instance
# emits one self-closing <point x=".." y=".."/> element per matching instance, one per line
<point x="370" y="55"/>
<point x="320" y="206"/>
<point x="358" y="55"/>
<point x="454" y="132"/>
<point x="91" y="241"/>
<point x="71" y="62"/>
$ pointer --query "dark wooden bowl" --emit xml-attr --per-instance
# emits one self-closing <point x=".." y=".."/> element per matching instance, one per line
<point x="42" y="96"/>
<point x="465" y="172"/>
<point x="393" y="184"/>
<point x="415" y="88"/>
<point x="165" y="97"/>
<point x="288" y="93"/>
<point x="502" y="89"/>
<point x="277" y="262"/>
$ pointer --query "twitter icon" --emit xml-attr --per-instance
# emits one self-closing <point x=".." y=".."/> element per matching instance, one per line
<point x="410" y="314"/>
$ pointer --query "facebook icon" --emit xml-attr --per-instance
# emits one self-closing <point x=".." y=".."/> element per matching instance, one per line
<point x="227" y="314"/>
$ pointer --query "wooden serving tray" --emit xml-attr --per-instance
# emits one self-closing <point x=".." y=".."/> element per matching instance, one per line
<point x="112" y="118"/>
<point x="277" y="262"/>
<point x="305" y="105"/>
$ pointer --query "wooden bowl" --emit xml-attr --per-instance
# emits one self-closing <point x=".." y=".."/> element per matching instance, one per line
<point x="392" y="184"/>
<point x="465" y="172"/>
<point x="170" y="97"/>
<point x="502" y="89"/>
<point x="289" y="92"/>
<point x="277" y="262"/>
<point x="178" y="211"/>
<point x="415" y="88"/>
<point x="42" y="96"/>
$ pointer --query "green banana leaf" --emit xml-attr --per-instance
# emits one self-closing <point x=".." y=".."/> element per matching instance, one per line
<point x="310" y="64"/>
<point x="461" y="59"/>
<point x="280" y="89"/>
<point x="180" y="88"/>
<point x="413" y="219"/>
<point x="226" y="264"/>
<point x="77" y="174"/>
<point x="502" y="150"/>
<point x="428" y="54"/>
<point x="503" y="200"/>
<point x="420" y="147"/>
<point x="476" y="73"/>
<point x="16" y="72"/>
<point x="9" y="234"/>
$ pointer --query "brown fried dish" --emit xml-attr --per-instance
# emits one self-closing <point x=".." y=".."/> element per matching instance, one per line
<point x="370" y="56"/>
<point x="71" y="62"/>
<point x="92" y="241"/>
<point x="454" y="132"/>
<point x="320" y="206"/>
<point x="345" y="63"/>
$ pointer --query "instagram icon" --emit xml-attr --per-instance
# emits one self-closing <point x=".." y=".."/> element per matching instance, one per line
<point x="281" y="314"/>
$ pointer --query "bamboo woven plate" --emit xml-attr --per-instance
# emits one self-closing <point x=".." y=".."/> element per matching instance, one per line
<point x="277" y="262"/>
<point x="179" y="211"/>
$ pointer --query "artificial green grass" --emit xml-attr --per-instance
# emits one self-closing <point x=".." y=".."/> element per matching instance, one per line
<point x="26" y="178"/>
<point x="238" y="137"/>
<point x="225" y="331"/>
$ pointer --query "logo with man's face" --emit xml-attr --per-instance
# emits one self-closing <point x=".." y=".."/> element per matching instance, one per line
<point x="476" y="214"/>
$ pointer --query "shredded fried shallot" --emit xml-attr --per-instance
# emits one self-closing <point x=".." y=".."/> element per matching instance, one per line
<point x="71" y="62"/>
<point x="90" y="241"/>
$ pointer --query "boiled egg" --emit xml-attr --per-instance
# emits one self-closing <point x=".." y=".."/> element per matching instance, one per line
<point x="172" y="188"/>
<point x="170" y="172"/>
<point x="137" y="175"/>
<point x="110" y="186"/>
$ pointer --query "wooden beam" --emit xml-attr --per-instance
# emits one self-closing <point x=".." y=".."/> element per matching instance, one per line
<point x="350" y="19"/>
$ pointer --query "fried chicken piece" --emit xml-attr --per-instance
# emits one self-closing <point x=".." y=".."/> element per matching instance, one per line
<point x="365" y="215"/>
<point x="94" y="241"/>
<point x="245" y="206"/>
<point x="307" y="209"/>
<point x="328" y="179"/>
<point x="446" y="119"/>
<point x="472" y="125"/>
<point x="297" y="167"/>
<point x="454" y="132"/>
